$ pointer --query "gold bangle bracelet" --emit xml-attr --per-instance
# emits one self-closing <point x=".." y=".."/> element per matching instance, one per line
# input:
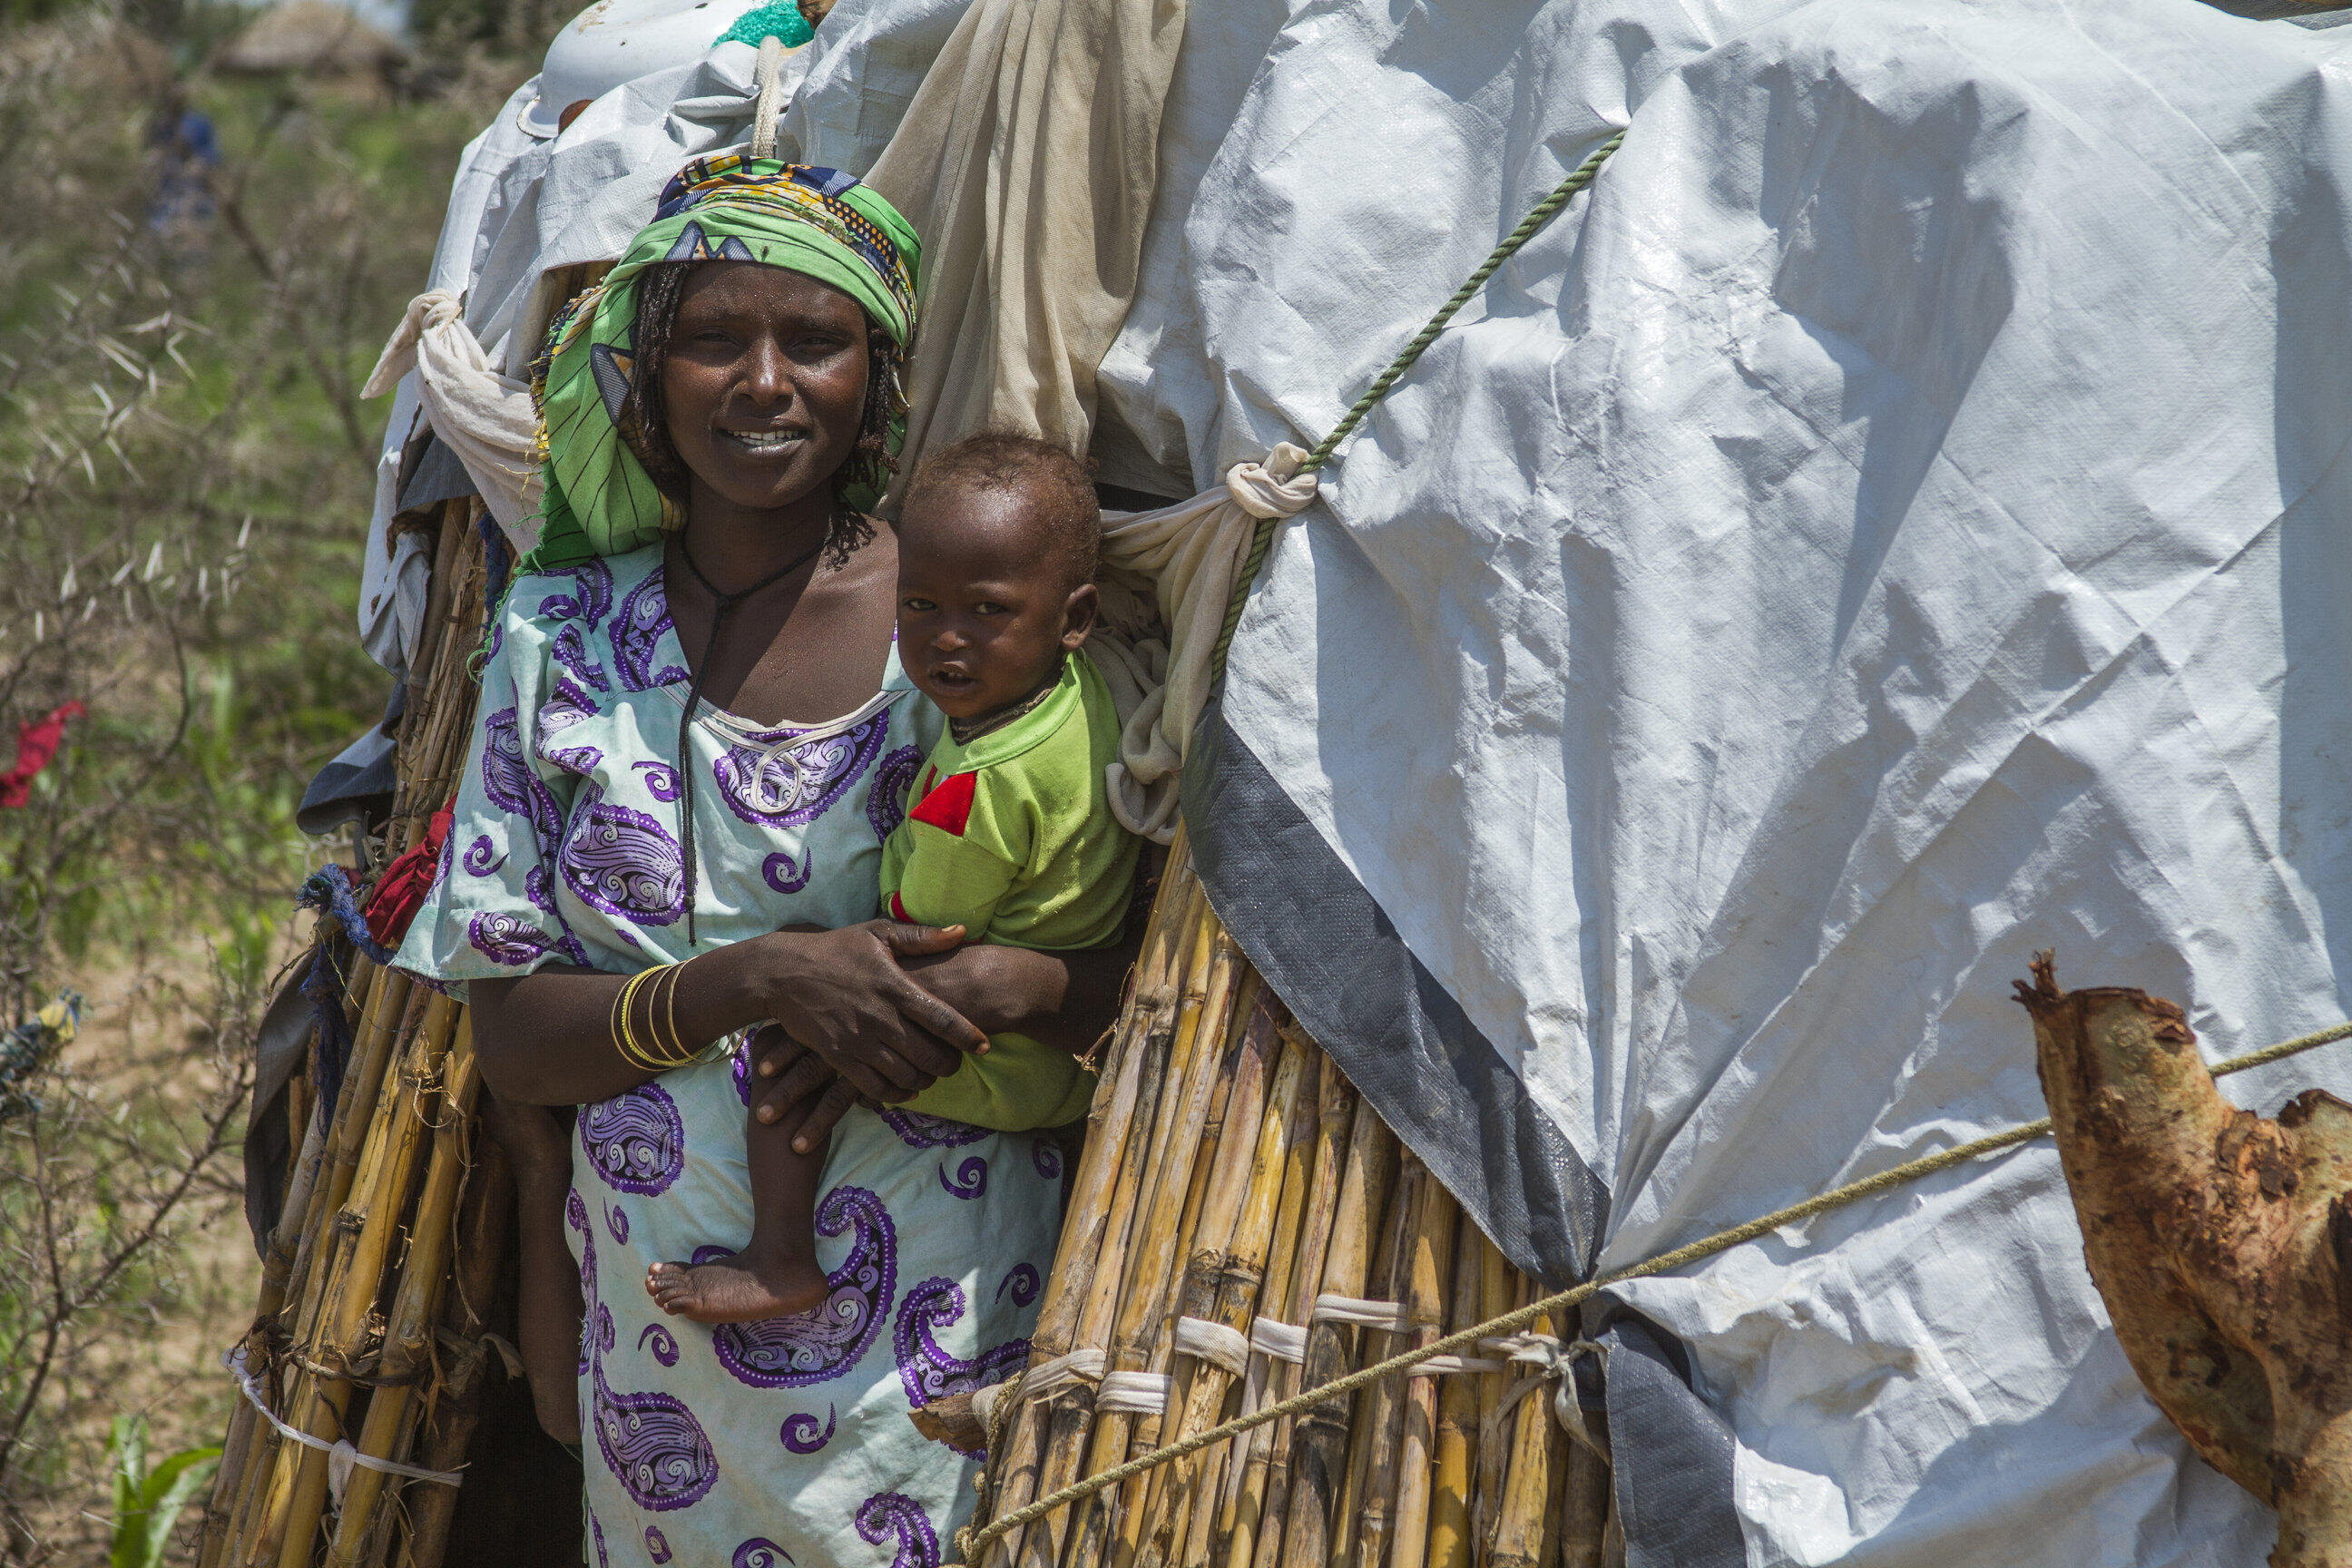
<point x="669" y="1011"/>
<point x="630" y="1049"/>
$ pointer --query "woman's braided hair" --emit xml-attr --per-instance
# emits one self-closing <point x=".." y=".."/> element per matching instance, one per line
<point x="644" y="421"/>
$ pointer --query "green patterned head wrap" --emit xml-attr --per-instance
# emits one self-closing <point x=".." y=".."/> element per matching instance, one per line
<point x="821" y="222"/>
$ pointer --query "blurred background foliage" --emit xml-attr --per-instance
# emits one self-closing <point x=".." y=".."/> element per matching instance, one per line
<point x="185" y="477"/>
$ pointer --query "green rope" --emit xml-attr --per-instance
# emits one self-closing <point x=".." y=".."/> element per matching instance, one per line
<point x="1529" y="227"/>
<point x="1559" y="1301"/>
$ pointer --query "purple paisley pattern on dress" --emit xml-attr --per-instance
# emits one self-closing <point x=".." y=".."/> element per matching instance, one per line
<point x="971" y="1178"/>
<point x="634" y="1142"/>
<point x="575" y="1214"/>
<point x="598" y="1531"/>
<point x="636" y="634"/>
<point x="622" y="862"/>
<point x="784" y="875"/>
<point x="579" y="759"/>
<point x="654" y="1444"/>
<point x="661" y="780"/>
<point x="825" y="1341"/>
<point x="656" y="1545"/>
<point x="589" y="598"/>
<point x="482" y="858"/>
<point x="801" y="1435"/>
<point x="769" y="784"/>
<point x="504" y="937"/>
<point x="888" y="1514"/>
<point x="759" y="1553"/>
<point x="512" y="787"/>
<point x="535" y="889"/>
<point x="930" y="1373"/>
<point x="886" y="807"/>
<point x="1047" y="1155"/>
<point x="665" y="1344"/>
<point x="1023" y="1282"/>
<point x="569" y="706"/>
<point x="916" y="1131"/>
<point x="616" y="1220"/>
<point x="740" y="1069"/>
<point x="570" y="649"/>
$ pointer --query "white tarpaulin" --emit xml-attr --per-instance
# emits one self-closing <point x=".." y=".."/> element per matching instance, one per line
<point x="1893" y="523"/>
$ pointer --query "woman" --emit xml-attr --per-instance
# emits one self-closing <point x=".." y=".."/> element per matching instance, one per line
<point x="710" y="412"/>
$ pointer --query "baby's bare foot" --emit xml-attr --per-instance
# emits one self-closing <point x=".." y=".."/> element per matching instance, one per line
<point x="739" y="1289"/>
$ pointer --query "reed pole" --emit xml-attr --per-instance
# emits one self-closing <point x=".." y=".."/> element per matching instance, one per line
<point x="1360" y="1533"/>
<point x="408" y="1351"/>
<point x="1450" y="1539"/>
<point x="1318" y="1447"/>
<point x="1428" y="1269"/>
<point x="1152" y="1253"/>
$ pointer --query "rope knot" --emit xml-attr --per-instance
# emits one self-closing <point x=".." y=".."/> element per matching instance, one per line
<point x="1274" y="488"/>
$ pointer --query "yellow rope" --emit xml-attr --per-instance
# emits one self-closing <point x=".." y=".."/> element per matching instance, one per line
<point x="1721" y="1241"/>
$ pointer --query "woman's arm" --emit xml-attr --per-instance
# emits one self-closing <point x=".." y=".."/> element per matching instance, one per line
<point x="1064" y="999"/>
<point x="548" y="1306"/>
<point x="547" y="1039"/>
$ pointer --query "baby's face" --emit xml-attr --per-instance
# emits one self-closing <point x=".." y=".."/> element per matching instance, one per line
<point x="986" y="611"/>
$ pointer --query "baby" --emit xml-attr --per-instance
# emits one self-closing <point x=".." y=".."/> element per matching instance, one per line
<point x="1010" y="834"/>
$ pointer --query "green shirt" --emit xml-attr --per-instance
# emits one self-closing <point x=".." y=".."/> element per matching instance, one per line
<point x="1013" y="839"/>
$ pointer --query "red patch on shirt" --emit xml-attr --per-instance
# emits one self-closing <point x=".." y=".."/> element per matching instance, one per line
<point x="949" y="807"/>
<point x="898" y="911"/>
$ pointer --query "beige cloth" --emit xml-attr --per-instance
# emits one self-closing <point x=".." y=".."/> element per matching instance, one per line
<point x="1192" y="556"/>
<point x="1026" y="162"/>
<point x="486" y="419"/>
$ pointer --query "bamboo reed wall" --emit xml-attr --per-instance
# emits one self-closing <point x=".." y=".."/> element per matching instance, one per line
<point x="371" y="1320"/>
<point x="1230" y="1173"/>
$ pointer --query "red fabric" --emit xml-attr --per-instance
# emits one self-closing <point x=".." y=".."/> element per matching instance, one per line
<point x="36" y="748"/>
<point x="402" y="887"/>
<point x="898" y="911"/>
<point x="949" y="807"/>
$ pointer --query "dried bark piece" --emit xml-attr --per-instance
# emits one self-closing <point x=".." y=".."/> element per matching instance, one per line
<point x="2221" y="1242"/>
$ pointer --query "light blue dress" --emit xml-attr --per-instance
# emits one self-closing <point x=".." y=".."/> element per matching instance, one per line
<point x="755" y="1444"/>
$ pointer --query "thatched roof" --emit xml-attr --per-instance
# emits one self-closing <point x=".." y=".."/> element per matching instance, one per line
<point x="310" y="35"/>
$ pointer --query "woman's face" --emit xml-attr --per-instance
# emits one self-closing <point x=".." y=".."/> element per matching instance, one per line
<point x="765" y="382"/>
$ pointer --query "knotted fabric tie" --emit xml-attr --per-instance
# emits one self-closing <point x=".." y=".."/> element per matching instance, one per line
<point x="486" y="419"/>
<point x="1190" y="556"/>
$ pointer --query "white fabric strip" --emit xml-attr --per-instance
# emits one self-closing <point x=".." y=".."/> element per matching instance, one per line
<point x="1063" y="1373"/>
<point x="984" y="1401"/>
<point x="1388" y="1315"/>
<point x="340" y="1455"/>
<point x="1191" y="554"/>
<point x="1438" y="1366"/>
<point x="1228" y="1349"/>
<point x="1283" y="1341"/>
<point x="1132" y="1394"/>
<point x="486" y="419"/>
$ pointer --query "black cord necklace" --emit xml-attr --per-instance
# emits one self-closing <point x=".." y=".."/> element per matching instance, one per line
<point x="723" y="604"/>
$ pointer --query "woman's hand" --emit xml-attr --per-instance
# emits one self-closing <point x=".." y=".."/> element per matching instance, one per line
<point x="842" y="996"/>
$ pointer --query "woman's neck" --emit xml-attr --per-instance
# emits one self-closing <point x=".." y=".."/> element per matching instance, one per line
<point x="735" y="546"/>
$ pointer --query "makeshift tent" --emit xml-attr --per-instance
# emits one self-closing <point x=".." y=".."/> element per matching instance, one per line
<point x="311" y="38"/>
<point x="1888" y="525"/>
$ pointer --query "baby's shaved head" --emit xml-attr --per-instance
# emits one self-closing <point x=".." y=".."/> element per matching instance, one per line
<point x="1056" y="492"/>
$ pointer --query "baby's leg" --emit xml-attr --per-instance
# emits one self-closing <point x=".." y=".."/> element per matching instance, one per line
<point x="776" y="1274"/>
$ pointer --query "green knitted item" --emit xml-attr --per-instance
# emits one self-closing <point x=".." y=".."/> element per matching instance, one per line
<point x="781" y="22"/>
